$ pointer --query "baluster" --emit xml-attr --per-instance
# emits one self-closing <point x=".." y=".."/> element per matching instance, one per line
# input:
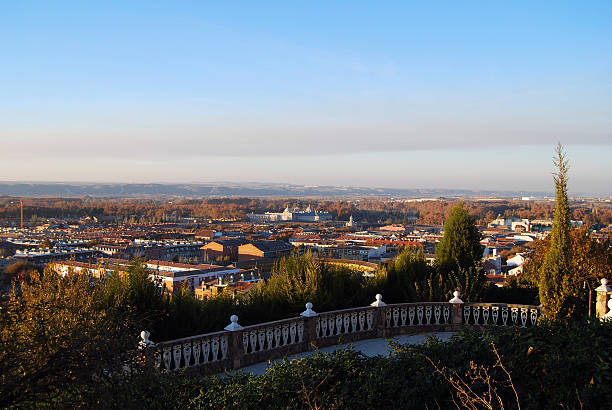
<point x="466" y="314"/>
<point x="485" y="314"/>
<point x="223" y="347"/>
<point x="428" y="314"/>
<point x="176" y="355"/>
<point x="446" y="314"/>
<point x="269" y="337"/>
<point x="505" y="315"/>
<point x="167" y="357"/>
<point x="362" y="319"/>
<point x="437" y="313"/>
<point x="292" y="332"/>
<point x="495" y="315"/>
<point x="285" y="335"/>
<point x="330" y="325"/>
<point x="253" y="340"/>
<point x="324" y="327"/>
<point x="245" y="342"/>
<point x="534" y="316"/>
<point x="404" y="315"/>
<point x="395" y="317"/>
<point x="339" y="324"/>
<point x="261" y="337"/>
<point x="370" y="319"/>
<point x="388" y="317"/>
<point x="524" y="316"/>
<point x="476" y="310"/>
<point x="206" y="349"/>
<point x="420" y="314"/>
<point x="214" y="345"/>
<point x="300" y="331"/>
<point x="277" y="333"/>
<point x="187" y="353"/>
<point x="411" y="315"/>
<point x="347" y="321"/>
<point x="354" y="321"/>
<point x="514" y="315"/>
<point x="196" y="353"/>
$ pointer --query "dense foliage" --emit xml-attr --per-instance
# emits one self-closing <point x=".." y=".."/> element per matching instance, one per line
<point x="59" y="340"/>
<point x="546" y="367"/>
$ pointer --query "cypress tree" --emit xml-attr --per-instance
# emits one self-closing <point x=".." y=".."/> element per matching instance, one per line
<point x="460" y="246"/>
<point x="555" y="284"/>
<point x="459" y="253"/>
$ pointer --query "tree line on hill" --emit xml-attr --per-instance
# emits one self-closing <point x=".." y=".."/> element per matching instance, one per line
<point x="432" y="212"/>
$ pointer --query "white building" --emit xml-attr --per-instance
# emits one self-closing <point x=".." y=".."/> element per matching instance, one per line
<point x="295" y="215"/>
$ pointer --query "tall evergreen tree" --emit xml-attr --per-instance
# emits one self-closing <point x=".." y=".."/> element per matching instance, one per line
<point x="460" y="246"/>
<point x="556" y="284"/>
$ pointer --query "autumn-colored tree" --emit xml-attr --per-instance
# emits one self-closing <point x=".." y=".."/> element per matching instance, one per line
<point x="59" y="343"/>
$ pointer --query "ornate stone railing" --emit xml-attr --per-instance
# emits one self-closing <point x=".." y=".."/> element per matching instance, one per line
<point x="239" y="346"/>
<point x="418" y="314"/>
<point x="273" y="335"/>
<point x="195" y="351"/>
<point x="345" y="322"/>
<point x="500" y="314"/>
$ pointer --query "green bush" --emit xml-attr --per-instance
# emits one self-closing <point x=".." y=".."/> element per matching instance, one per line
<point x="553" y="365"/>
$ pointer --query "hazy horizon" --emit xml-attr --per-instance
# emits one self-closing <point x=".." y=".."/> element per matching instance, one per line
<point x="472" y="95"/>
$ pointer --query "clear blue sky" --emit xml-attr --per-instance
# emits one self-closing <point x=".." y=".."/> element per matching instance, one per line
<point x="395" y="94"/>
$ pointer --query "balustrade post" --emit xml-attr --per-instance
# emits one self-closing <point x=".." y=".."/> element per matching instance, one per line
<point x="379" y="316"/>
<point x="143" y="345"/>
<point x="457" y="307"/>
<point x="310" y="331"/>
<point x="235" y="349"/>
<point x="603" y="292"/>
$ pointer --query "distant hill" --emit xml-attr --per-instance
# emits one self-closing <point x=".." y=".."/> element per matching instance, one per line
<point x="237" y="190"/>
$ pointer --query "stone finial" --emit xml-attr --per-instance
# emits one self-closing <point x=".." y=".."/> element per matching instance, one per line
<point x="144" y="342"/>
<point x="308" y="312"/>
<point x="234" y="325"/>
<point x="604" y="286"/>
<point x="608" y="316"/>
<point x="378" y="302"/>
<point x="456" y="297"/>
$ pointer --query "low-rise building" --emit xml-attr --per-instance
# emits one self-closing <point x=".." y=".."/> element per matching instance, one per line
<point x="222" y="248"/>
<point x="169" y="276"/>
<point x="264" y="249"/>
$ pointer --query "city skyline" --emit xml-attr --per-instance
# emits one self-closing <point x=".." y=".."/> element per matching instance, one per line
<point x="404" y="96"/>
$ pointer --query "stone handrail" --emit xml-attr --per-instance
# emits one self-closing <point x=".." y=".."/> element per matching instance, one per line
<point x="194" y="351"/>
<point x="500" y="314"/>
<point x="239" y="346"/>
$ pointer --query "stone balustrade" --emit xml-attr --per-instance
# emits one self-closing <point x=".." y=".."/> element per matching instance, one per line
<point x="273" y="335"/>
<point x="195" y="351"/>
<point x="345" y="322"/>
<point x="499" y="314"/>
<point x="417" y="314"/>
<point x="239" y="346"/>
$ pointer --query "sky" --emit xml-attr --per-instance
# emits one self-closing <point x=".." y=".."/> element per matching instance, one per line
<point x="433" y="94"/>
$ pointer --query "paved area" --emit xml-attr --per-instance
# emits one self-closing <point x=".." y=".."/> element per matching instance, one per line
<point x="370" y="347"/>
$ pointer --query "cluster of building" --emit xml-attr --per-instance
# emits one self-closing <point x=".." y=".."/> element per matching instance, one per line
<point x="234" y="256"/>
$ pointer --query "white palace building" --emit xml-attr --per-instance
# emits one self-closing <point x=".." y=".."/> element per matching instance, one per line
<point x="295" y="215"/>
